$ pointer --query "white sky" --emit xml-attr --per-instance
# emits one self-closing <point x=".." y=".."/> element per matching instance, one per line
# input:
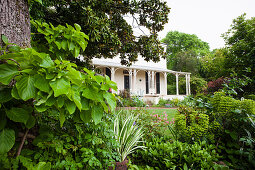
<point x="208" y="19"/>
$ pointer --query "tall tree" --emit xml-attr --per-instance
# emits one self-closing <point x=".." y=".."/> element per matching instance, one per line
<point x="15" y="21"/>
<point x="241" y="48"/>
<point x="104" y="21"/>
<point x="179" y="44"/>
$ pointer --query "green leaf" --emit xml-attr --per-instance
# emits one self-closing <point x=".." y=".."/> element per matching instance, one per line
<point x="42" y="84"/>
<point x="47" y="62"/>
<point x="5" y="39"/>
<point x="85" y="116"/>
<point x="71" y="46"/>
<point x="60" y="86"/>
<point x="30" y="122"/>
<point x="76" y="51"/>
<point x="97" y="113"/>
<point x="26" y="88"/>
<point x="62" y="118"/>
<point x="75" y="76"/>
<point x="64" y="45"/>
<point x="3" y="120"/>
<point x="77" y="26"/>
<point x="71" y="107"/>
<point x="41" y="108"/>
<point x="89" y="93"/>
<point x="110" y="100"/>
<point x="84" y="104"/>
<point x="7" y="73"/>
<point x="61" y="101"/>
<point x="18" y="114"/>
<point x="15" y="93"/>
<point x="5" y="95"/>
<point x="7" y="140"/>
<point x="77" y="99"/>
<point x="43" y="166"/>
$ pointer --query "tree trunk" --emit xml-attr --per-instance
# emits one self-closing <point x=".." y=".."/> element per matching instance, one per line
<point x="15" y="22"/>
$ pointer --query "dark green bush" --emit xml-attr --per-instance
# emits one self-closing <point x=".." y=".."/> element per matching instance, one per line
<point x="166" y="155"/>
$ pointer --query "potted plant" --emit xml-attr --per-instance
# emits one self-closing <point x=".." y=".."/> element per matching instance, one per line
<point x="128" y="134"/>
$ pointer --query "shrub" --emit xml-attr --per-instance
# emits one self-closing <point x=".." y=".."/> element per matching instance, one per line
<point x="190" y="125"/>
<point x="166" y="155"/>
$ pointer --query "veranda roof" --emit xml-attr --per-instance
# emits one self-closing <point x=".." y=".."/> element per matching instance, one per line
<point x="137" y="67"/>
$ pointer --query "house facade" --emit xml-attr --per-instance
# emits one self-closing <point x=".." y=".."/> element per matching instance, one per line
<point x="145" y="79"/>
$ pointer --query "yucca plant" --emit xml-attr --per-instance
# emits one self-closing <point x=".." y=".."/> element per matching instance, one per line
<point x="128" y="134"/>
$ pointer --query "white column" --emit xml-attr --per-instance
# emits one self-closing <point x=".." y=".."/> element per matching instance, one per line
<point x="189" y="84"/>
<point x="152" y="82"/>
<point x="134" y="81"/>
<point x="149" y="80"/>
<point x="177" y="83"/>
<point x="130" y="80"/>
<point x="112" y="73"/>
<point x="165" y="76"/>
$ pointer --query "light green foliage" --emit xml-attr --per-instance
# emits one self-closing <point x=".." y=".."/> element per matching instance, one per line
<point x="191" y="125"/>
<point x="167" y="155"/>
<point x="128" y="134"/>
<point x="63" y="42"/>
<point x="183" y="50"/>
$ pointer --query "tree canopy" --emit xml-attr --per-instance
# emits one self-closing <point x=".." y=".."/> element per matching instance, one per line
<point x="180" y="44"/>
<point x="240" y="44"/>
<point x="104" y="21"/>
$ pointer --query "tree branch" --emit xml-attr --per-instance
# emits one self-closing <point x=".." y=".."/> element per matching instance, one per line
<point x="22" y="142"/>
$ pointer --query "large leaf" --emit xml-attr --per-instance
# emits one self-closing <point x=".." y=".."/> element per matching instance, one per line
<point x="18" y="114"/>
<point x="47" y="62"/>
<point x="25" y="87"/>
<point x="90" y="93"/>
<point x="71" y="107"/>
<point x="42" y="84"/>
<point x="84" y="104"/>
<point x="7" y="140"/>
<point x="97" y="113"/>
<point x="77" y="99"/>
<point x="7" y="73"/>
<point x="5" y="95"/>
<point x="85" y="116"/>
<point x="60" y="86"/>
<point x="110" y="100"/>
<point x="30" y="122"/>
<point x="75" y="76"/>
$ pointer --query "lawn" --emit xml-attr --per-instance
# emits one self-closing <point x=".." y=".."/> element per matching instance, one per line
<point x="170" y="112"/>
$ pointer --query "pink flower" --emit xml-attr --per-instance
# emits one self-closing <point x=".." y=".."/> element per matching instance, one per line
<point x="165" y="118"/>
<point x="167" y="122"/>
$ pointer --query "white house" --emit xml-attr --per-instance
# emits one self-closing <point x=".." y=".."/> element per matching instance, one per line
<point x="145" y="79"/>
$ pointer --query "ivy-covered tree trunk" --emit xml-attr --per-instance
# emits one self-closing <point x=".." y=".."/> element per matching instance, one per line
<point x="15" y="21"/>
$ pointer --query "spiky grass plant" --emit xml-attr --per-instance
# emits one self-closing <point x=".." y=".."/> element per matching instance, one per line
<point x="128" y="133"/>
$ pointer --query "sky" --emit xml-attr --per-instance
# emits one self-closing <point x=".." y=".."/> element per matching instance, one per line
<point x="208" y="19"/>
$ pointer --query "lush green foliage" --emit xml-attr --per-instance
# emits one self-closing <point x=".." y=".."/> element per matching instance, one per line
<point x="104" y="21"/>
<point x="165" y="155"/>
<point x="240" y="46"/>
<point x="183" y="50"/>
<point x="61" y="106"/>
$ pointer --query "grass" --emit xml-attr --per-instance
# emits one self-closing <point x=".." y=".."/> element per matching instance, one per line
<point x="170" y="112"/>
